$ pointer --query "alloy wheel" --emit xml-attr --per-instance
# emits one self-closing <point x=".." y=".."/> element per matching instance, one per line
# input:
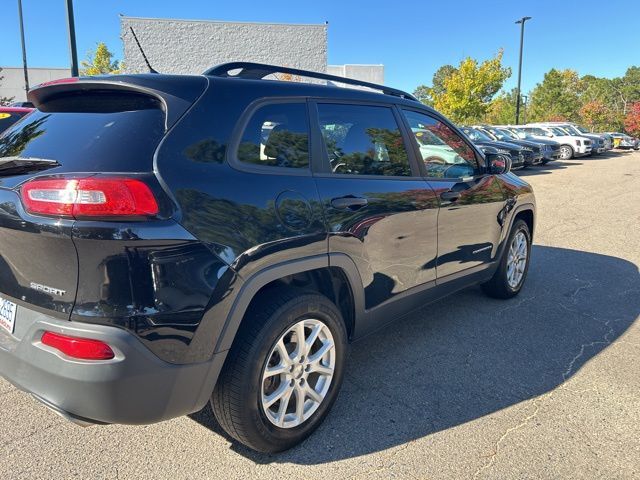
<point x="565" y="153"/>
<point x="298" y="373"/>
<point x="517" y="259"/>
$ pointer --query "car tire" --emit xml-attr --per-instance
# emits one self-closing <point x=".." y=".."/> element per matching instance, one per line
<point x="566" y="152"/>
<point x="509" y="277"/>
<point x="243" y="399"/>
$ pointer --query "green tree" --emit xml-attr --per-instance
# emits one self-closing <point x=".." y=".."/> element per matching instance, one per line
<point x="4" y="100"/>
<point x="627" y="89"/>
<point x="467" y="92"/>
<point x="423" y="93"/>
<point x="557" y="96"/>
<point x="100" y="62"/>
<point x="502" y="109"/>
<point x="596" y="115"/>
<point x="426" y="94"/>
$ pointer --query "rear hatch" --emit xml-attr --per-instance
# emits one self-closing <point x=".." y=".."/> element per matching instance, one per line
<point x="85" y="128"/>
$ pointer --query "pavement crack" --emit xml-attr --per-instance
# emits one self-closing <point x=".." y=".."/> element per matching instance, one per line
<point x="384" y="466"/>
<point x="25" y="437"/>
<point x="606" y="340"/>
<point x="513" y="305"/>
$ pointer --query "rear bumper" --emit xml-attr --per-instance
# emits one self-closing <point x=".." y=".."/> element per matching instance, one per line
<point x="136" y="387"/>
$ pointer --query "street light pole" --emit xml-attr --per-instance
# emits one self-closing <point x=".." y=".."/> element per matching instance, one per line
<point x="521" y="22"/>
<point x="24" y="50"/>
<point x="525" y="99"/>
<point x="72" y="39"/>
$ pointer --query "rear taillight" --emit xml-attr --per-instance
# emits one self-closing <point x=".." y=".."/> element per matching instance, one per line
<point x="76" y="347"/>
<point x="89" y="197"/>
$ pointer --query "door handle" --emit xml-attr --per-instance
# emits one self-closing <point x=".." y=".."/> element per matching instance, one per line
<point x="450" y="196"/>
<point x="349" y="203"/>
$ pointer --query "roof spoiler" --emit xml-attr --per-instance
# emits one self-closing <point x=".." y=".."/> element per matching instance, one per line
<point x="176" y="93"/>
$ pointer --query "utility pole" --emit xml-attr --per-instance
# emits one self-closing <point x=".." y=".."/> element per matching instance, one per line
<point x="521" y="22"/>
<point x="72" y="39"/>
<point x="525" y="99"/>
<point x="24" y="50"/>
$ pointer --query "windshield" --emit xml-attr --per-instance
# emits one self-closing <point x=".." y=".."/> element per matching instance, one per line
<point x="571" y="129"/>
<point x="558" y="131"/>
<point x="521" y="134"/>
<point x="504" y="134"/>
<point x="476" y="135"/>
<point x="581" y="129"/>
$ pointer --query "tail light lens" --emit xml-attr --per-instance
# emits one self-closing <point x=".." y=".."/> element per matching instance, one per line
<point x="76" y="347"/>
<point x="89" y="197"/>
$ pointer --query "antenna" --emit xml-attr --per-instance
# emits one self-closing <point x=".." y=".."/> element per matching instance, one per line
<point x="151" y="70"/>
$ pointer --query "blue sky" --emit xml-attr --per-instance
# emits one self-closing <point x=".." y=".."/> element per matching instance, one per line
<point x="412" y="38"/>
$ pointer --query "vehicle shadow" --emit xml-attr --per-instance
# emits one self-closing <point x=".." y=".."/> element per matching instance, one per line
<point x="546" y="169"/>
<point x="468" y="356"/>
<point x="610" y="155"/>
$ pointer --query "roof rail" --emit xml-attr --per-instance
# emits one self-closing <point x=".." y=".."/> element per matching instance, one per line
<point x="257" y="71"/>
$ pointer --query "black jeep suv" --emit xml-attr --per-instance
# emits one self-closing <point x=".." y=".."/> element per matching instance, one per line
<point x="166" y="241"/>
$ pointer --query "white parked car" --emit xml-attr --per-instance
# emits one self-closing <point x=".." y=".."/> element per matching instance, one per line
<point x="598" y="141"/>
<point x="434" y="150"/>
<point x="571" y="146"/>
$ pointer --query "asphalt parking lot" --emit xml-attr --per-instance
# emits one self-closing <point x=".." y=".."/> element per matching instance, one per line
<point x="542" y="386"/>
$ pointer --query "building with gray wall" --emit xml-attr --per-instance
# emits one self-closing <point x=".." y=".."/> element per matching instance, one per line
<point x="192" y="46"/>
<point x="367" y="73"/>
<point x="12" y="85"/>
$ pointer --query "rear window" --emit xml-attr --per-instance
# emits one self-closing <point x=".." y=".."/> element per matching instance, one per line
<point x="9" y="118"/>
<point x="90" y="132"/>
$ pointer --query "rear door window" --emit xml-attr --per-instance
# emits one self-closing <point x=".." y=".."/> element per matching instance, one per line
<point x="363" y="140"/>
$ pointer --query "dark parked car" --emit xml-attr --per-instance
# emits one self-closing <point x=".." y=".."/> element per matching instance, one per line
<point x="169" y="240"/>
<point x="500" y="135"/>
<point x="10" y="115"/>
<point x="518" y="155"/>
<point x="551" y="148"/>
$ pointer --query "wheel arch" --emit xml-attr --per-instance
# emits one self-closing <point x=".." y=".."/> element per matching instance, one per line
<point x="527" y="215"/>
<point x="339" y="269"/>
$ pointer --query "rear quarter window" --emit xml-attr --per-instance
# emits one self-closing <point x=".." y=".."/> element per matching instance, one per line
<point x="277" y="135"/>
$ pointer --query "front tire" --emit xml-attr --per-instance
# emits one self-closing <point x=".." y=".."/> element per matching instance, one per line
<point x="283" y="372"/>
<point x="566" y="152"/>
<point x="512" y="270"/>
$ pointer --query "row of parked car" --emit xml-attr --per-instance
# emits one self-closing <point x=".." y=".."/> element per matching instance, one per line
<point x="540" y="143"/>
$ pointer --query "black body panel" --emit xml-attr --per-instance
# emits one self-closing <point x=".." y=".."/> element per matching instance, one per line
<point x="38" y="251"/>
<point x="178" y="281"/>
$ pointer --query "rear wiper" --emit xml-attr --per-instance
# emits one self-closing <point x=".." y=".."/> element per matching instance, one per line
<point x="17" y="165"/>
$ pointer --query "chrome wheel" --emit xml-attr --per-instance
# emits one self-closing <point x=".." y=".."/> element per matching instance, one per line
<point x="298" y="373"/>
<point x="517" y="259"/>
<point x="565" y="152"/>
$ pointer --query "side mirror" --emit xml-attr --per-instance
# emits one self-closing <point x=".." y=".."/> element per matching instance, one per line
<point x="498" y="163"/>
